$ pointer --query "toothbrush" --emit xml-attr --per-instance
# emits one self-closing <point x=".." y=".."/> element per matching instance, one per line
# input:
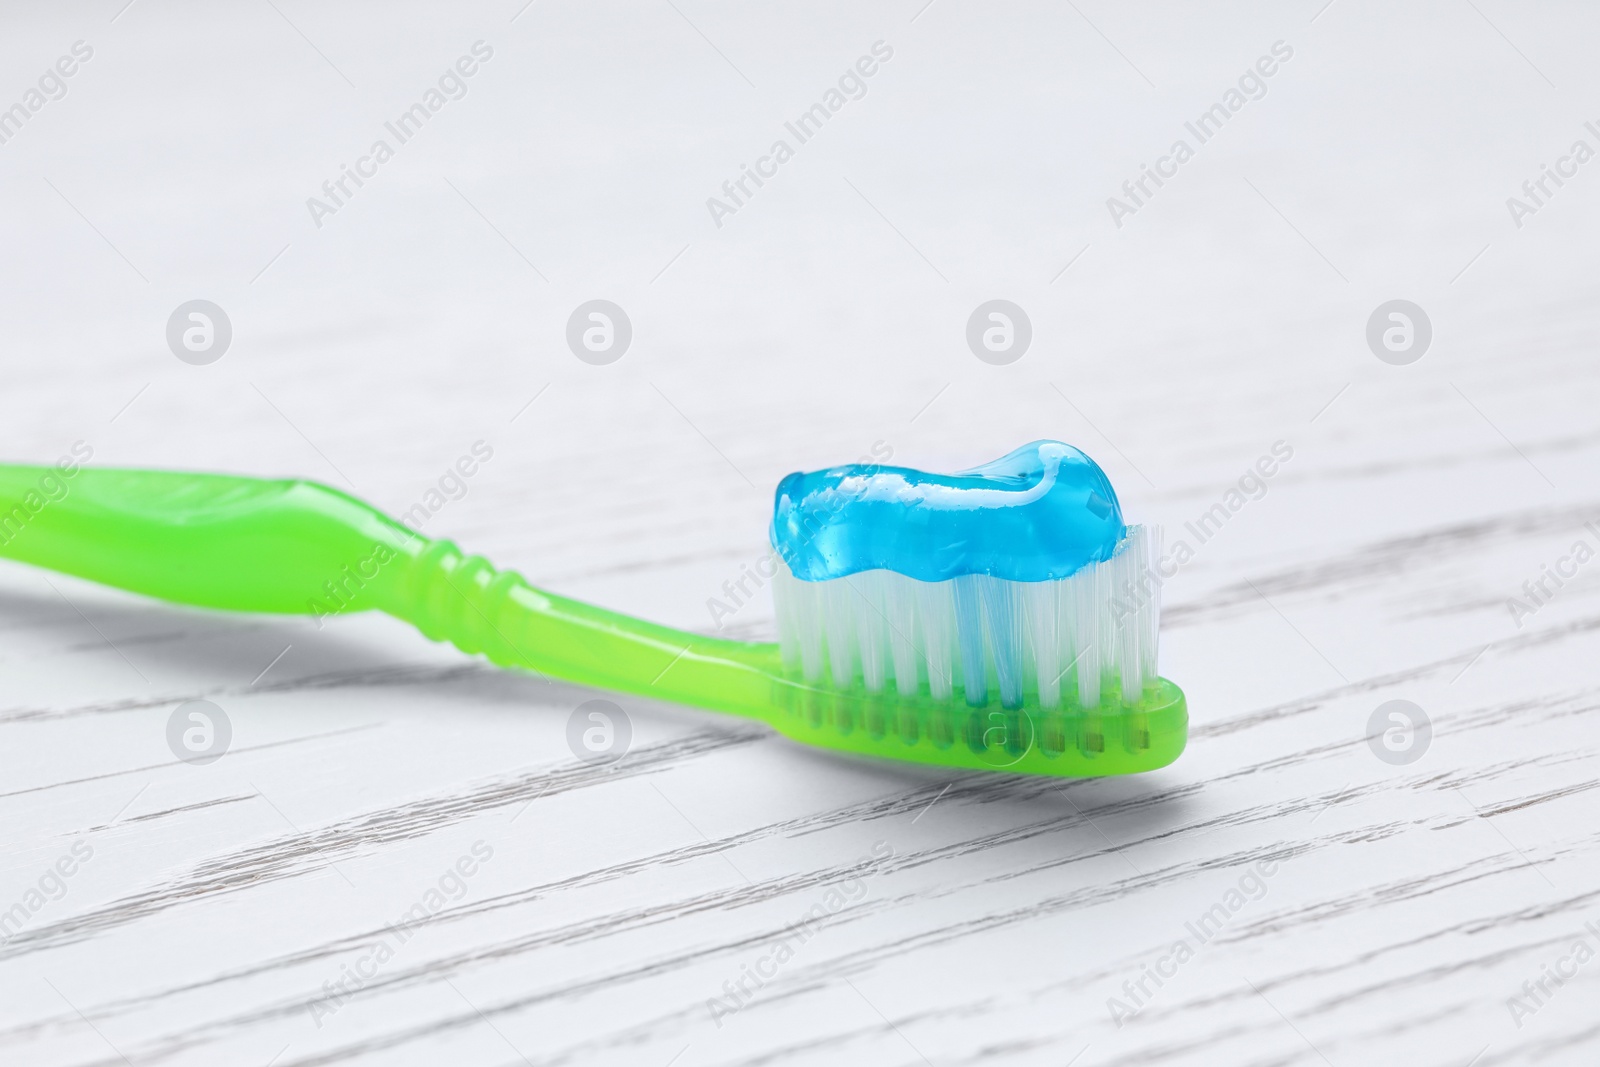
<point x="1002" y="618"/>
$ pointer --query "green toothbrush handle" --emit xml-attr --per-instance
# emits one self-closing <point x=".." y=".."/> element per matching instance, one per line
<point x="466" y="601"/>
<point x="297" y="547"/>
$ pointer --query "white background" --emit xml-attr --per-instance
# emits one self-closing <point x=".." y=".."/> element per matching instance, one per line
<point x="825" y="318"/>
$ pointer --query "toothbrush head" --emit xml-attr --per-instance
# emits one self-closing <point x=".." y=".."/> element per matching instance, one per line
<point x="1001" y="617"/>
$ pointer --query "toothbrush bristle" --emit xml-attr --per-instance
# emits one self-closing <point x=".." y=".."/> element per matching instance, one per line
<point x="1074" y="644"/>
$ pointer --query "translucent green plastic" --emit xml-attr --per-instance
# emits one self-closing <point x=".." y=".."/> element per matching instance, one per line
<point x="297" y="547"/>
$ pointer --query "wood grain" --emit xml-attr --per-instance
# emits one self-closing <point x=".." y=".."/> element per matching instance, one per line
<point x="399" y="859"/>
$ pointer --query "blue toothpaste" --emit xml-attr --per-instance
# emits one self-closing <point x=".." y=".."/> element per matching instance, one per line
<point x="1038" y="514"/>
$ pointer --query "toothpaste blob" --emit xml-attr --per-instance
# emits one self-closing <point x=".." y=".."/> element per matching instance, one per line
<point x="1039" y="514"/>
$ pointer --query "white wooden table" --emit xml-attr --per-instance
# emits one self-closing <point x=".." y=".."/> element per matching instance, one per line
<point x="398" y="859"/>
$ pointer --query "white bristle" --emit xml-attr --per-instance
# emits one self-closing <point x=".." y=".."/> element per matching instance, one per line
<point x="1043" y="628"/>
<point x="1053" y="643"/>
<point x="1007" y="633"/>
<point x="872" y="626"/>
<point x="900" y="609"/>
<point x="1125" y="566"/>
<point x="783" y="607"/>
<point x="969" y="639"/>
<point x="937" y="626"/>
<point x="799" y="623"/>
<point x="838" y="627"/>
<point x="1085" y="592"/>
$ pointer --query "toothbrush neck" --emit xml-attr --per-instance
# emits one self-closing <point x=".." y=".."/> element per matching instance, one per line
<point x="466" y="601"/>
